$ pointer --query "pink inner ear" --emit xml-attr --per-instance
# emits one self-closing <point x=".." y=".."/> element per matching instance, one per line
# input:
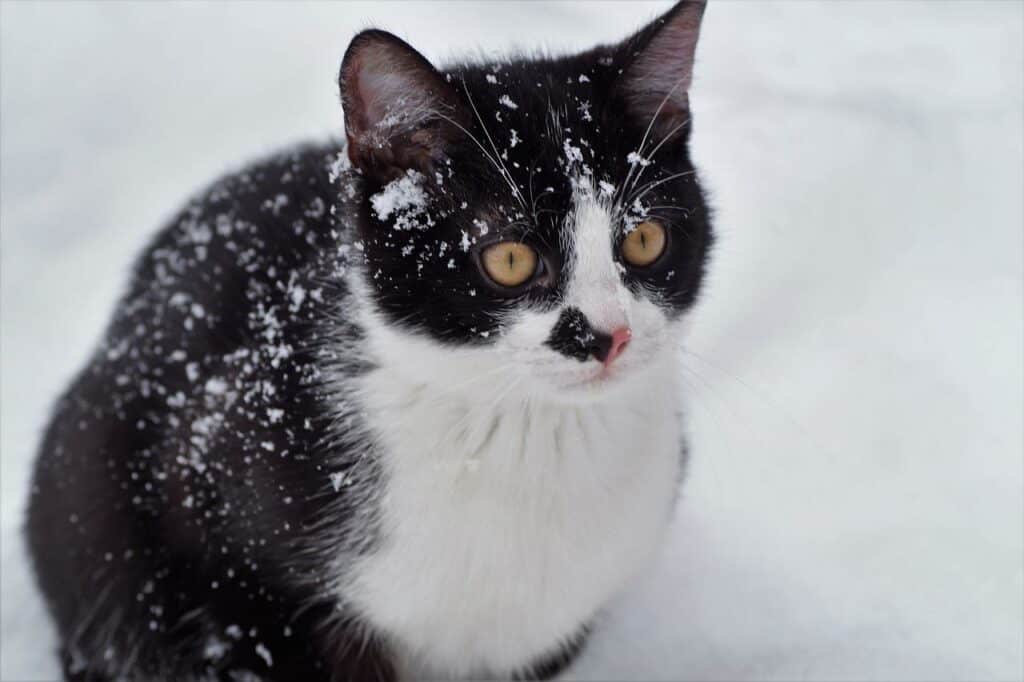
<point x="388" y="94"/>
<point x="395" y="104"/>
<point x="663" y="68"/>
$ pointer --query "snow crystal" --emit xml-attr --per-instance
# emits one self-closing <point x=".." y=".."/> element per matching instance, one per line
<point x="338" y="167"/>
<point x="573" y="153"/>
<point x="505" y="100"/>
<point x="214" y="649"/>
<point x="404" y="197"/>
<point x="276" y="204"/>
<point x="198" y="233"/>
<point x="401" y="193"/>
<point x="633" y="159"/>
<point x="482" y="226"/>
<point x="340" y="479"/>
<point x="317" y="208"/>
<point x="216" y="386"/>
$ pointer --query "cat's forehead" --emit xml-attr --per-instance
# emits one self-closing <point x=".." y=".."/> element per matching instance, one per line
<point x="538" y="89"/>
<point x="543" y="131"/>
<point x="551" y="114"/>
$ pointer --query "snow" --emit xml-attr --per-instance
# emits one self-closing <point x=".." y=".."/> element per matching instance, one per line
<point x="854" y="505"/>
<point x="264" y="653"/>
<point x="404" y="197"/>
<point x="506" y="101"/>
<point x="633" y="159"/>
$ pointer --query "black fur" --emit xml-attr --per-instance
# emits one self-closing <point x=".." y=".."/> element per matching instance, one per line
<point x="201" y="473"/>
<point x="429" y="281"/>
<point x="574" y="337"/>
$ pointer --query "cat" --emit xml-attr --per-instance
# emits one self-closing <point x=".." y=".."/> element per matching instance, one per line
<point x="396" y="406"/>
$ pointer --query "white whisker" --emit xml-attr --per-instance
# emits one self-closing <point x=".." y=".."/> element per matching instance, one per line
<point x="627" y="185"/>
<point x="503" y="169"/>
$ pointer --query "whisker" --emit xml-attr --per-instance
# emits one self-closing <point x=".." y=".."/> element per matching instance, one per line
<point x="483" y="150"/>
<point x="476" y="377"/>
<point x="665" y="139"/>
<point x="763" y="398"/>
<point x="626" y="186"/>
<point x="642" y="192"/>
<point x="654" y="151"/>
<point x="504" y="170"/>
<point x="681" y="209"/>
<point x="472" y="413"/>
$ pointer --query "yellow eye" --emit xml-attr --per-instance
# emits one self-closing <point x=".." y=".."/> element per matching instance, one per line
<point x="509" y="264"/>
<point x="644" y="244"/>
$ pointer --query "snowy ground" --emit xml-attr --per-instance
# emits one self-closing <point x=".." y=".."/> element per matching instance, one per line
<point x="855" y="503"/>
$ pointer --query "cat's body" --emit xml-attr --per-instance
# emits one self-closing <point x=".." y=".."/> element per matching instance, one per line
<point x="510" y="532"/>
<point x="325" y="439"/>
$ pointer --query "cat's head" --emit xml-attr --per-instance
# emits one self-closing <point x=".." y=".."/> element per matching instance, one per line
<point x="528" y="223"/>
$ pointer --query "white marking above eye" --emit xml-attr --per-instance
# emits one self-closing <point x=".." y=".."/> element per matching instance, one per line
<point x="595" y="285"/>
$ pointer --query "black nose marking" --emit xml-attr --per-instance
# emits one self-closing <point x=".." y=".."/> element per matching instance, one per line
<point x="573" y="336"/>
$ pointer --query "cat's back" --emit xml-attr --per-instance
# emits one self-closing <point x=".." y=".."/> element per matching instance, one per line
<point x="240" y="235"/>
<point x="224" y="283"/>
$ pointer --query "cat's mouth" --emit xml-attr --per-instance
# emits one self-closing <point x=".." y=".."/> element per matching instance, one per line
<point x="594" y="378"/>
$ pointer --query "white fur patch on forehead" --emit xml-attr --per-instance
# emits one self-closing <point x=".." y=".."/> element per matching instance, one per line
<point x="595" y="286"/>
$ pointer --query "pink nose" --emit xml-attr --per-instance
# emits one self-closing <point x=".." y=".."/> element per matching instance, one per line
<point x="620" y="339"/>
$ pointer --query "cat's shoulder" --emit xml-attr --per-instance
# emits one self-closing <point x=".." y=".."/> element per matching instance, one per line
<point x="282" y="200"/>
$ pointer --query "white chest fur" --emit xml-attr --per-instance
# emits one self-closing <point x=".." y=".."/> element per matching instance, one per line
<point x="508" y="523"/>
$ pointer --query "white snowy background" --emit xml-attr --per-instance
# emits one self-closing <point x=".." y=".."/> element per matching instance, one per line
<point x="854" y="509"/>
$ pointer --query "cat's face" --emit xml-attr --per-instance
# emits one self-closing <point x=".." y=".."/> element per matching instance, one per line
<point x="529" y="224"/>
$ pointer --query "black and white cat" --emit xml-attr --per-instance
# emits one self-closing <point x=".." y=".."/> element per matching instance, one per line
<point x="401" y="407"/>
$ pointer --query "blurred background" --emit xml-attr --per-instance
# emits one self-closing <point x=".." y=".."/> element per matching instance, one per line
<point x="854" y="508"/>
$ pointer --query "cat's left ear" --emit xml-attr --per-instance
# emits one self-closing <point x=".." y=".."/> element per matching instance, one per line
<point x="399" y="110"/>
<point x="658" y="68"/>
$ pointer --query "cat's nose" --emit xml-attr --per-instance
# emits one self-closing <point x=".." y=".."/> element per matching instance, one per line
<point x="573" y="336"/>
<point x="609" y="347"/>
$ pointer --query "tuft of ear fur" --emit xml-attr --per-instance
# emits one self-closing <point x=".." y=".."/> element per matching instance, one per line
<point x="396" y="104"/>
<point x="659" y="68"/>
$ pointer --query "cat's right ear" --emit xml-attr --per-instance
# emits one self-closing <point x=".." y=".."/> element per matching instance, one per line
<point x="400" y="112"/>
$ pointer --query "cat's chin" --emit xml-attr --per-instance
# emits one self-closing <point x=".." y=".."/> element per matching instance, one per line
<point x="589" y="385"/>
